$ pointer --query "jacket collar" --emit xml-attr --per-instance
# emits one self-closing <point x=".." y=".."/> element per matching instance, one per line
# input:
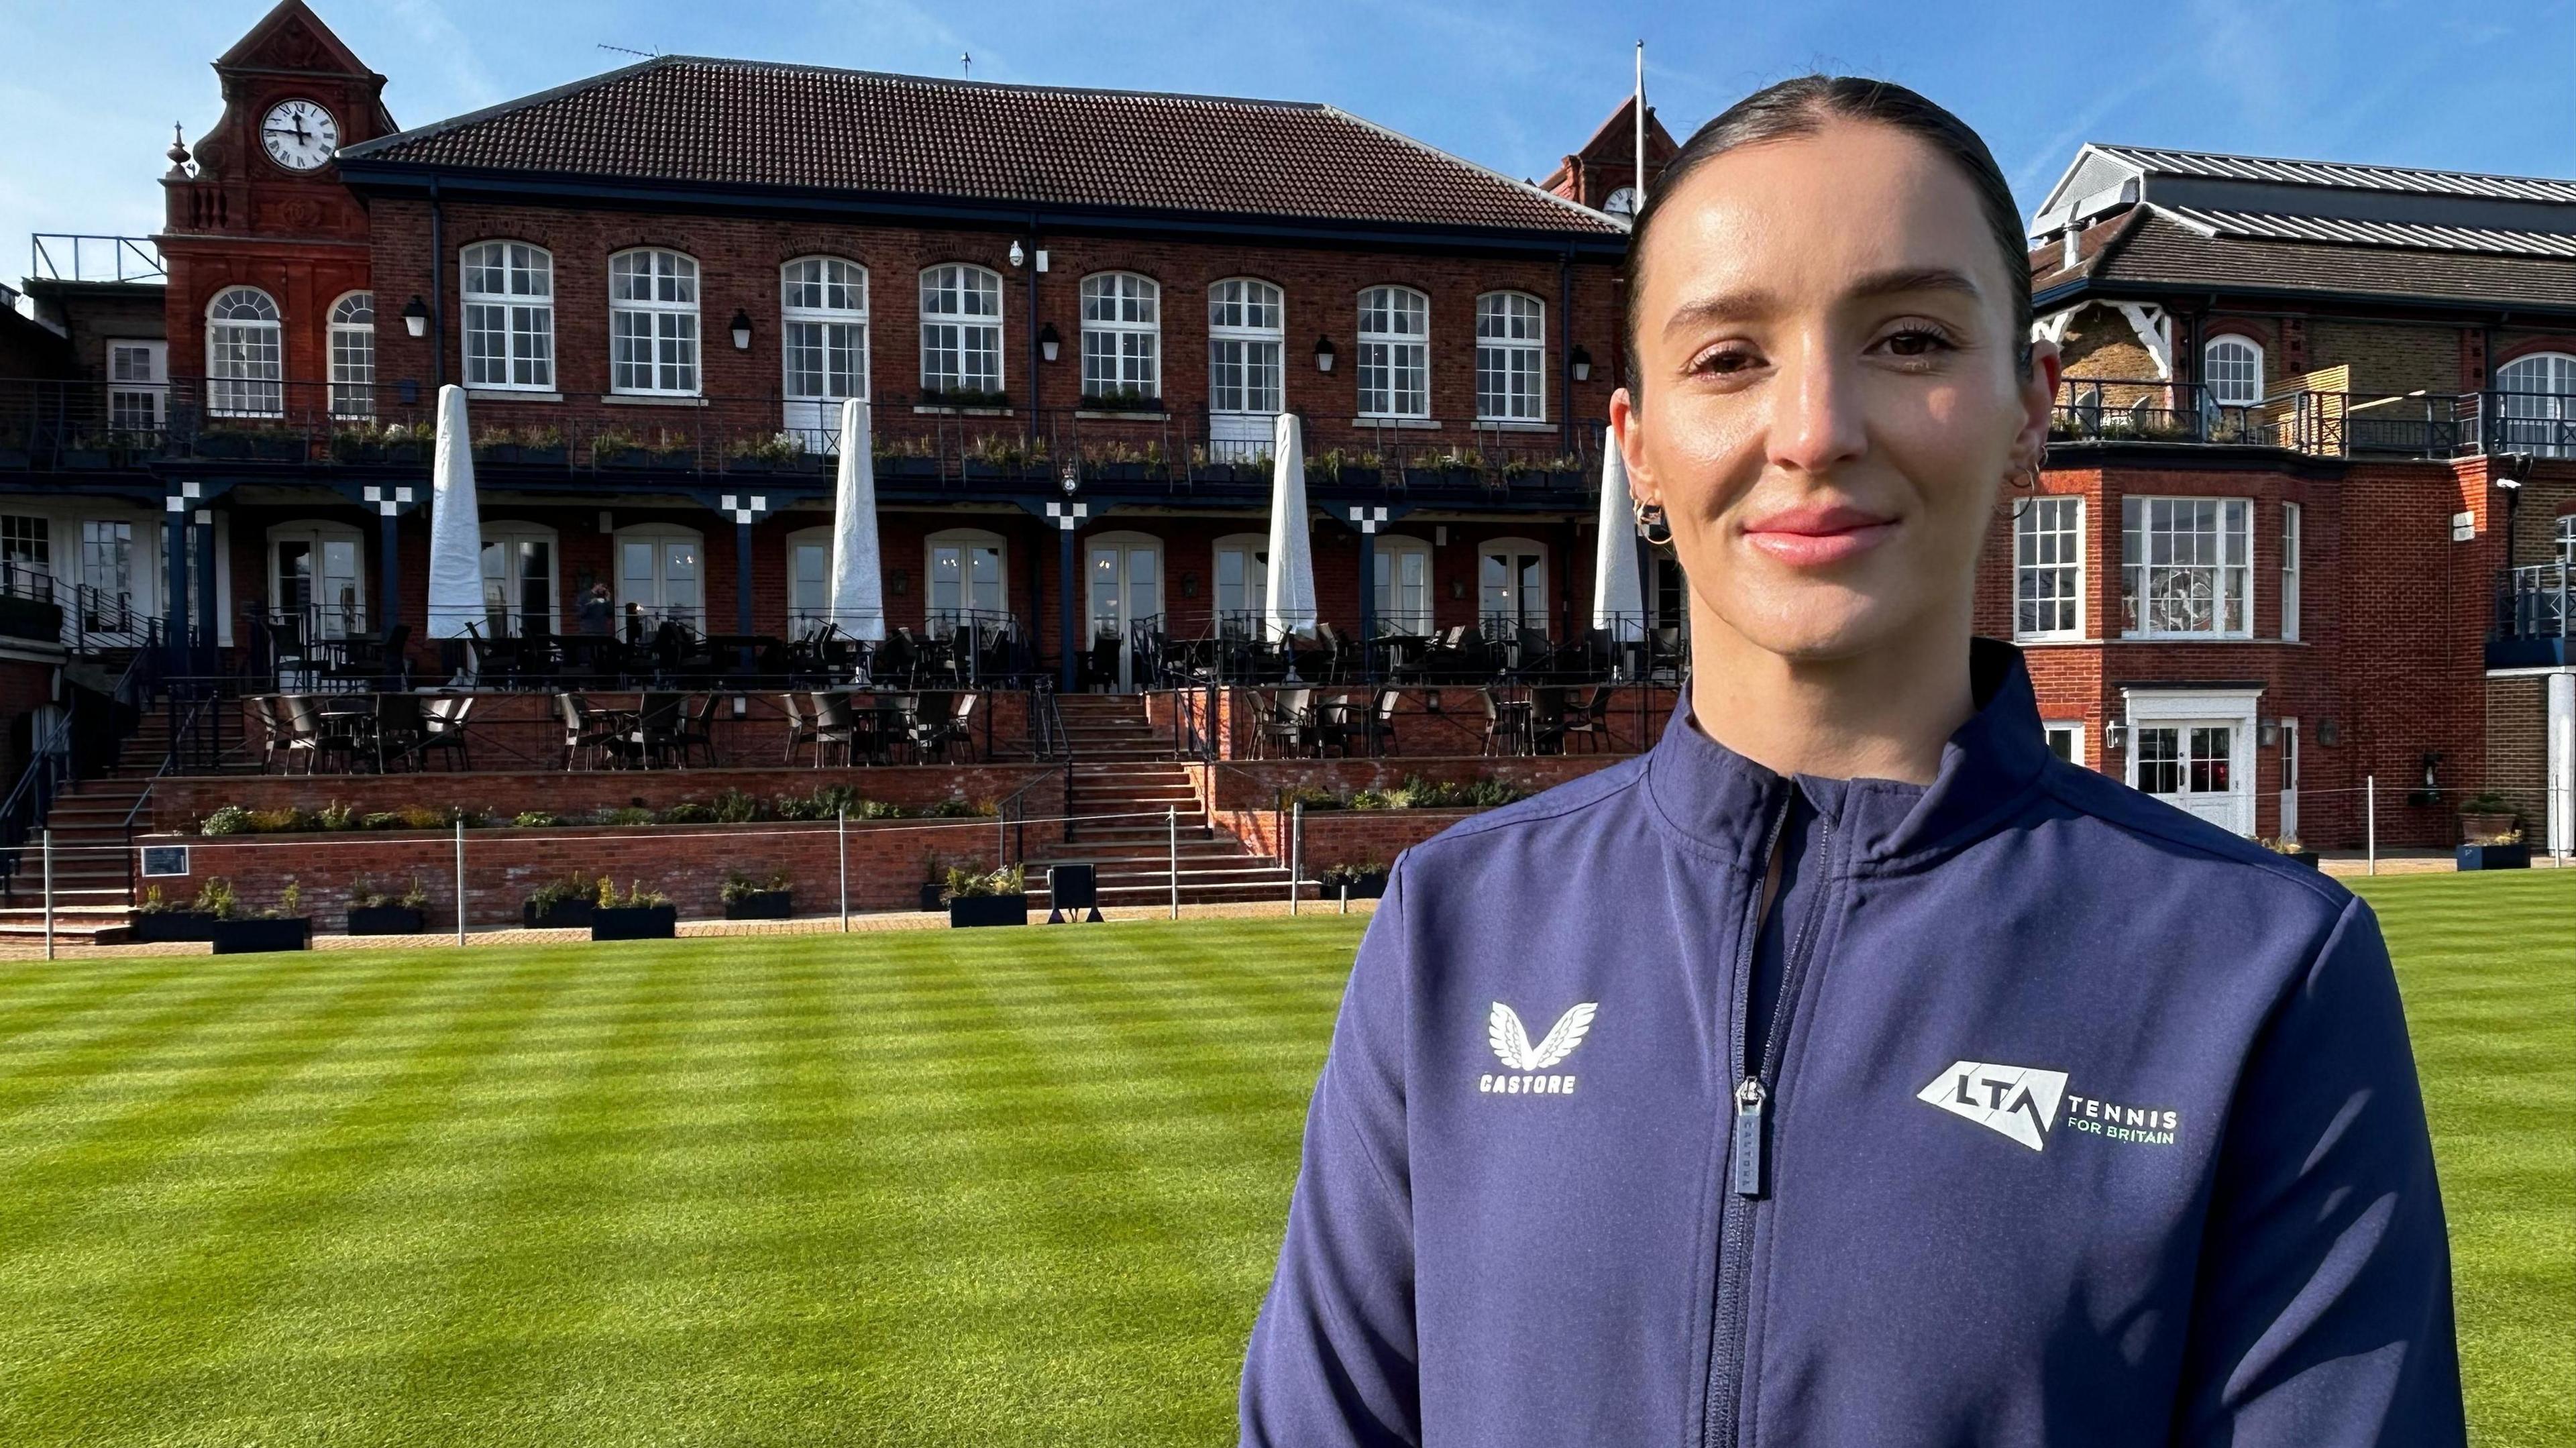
<point x="1725" y="802"/>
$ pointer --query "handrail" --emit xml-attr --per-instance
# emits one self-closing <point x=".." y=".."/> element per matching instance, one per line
<point x="1015" y="816"/>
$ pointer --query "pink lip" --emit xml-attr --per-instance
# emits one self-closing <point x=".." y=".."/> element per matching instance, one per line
<point x="1813" y="536"/>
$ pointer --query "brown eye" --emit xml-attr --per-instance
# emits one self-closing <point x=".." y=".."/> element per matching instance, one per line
<point x="1917" y="342"/>
<point x="1724" y="363"/>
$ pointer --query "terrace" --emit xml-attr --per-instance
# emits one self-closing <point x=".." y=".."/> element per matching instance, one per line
<point x="2535" y="615"/>
<point x="2427" y="425"/>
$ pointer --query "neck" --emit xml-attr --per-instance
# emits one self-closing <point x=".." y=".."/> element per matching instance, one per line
<point x="1883" y="713"/>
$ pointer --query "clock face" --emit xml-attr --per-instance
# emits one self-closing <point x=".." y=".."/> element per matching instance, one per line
<point x="1622" y="202"/>
<point x="299" y="135"/>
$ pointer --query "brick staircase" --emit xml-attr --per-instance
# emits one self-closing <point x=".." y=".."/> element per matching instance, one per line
<point x="93" y="900"/>
<point x="1121" y="766"/>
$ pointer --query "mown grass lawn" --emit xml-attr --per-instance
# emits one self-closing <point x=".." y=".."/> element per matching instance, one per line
<point x="1005" y="1186"/>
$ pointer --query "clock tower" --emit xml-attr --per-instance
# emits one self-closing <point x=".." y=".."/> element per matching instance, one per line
<point x="260" y="204"/>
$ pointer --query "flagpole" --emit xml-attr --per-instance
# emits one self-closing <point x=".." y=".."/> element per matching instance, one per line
<point x="1640" y="109"/>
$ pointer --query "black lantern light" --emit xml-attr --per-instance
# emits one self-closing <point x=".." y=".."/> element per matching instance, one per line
<point x="741" y="330"/>
<point x="1049" y="343"/>
<point x="415" y="317"/>
<point x="1324" y="354"/>
<point x="1581" y="363"/>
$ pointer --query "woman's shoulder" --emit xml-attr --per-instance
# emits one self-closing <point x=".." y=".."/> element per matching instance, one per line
<point x="2136" y="830"/>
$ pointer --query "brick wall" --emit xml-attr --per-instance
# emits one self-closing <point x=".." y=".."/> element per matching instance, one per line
<point x="2390" y="357"/>
<point x="2517" y="760"/>
<point x="1242" y="798"/>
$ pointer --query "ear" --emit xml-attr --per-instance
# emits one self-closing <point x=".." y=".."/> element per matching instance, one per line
<point x="1627" y="423"/>
<point x="2038" y="401"/>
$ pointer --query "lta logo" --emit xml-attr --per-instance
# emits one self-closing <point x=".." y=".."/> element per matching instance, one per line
<point x="2019" y="1101"/>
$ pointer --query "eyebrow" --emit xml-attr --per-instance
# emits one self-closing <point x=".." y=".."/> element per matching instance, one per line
<point x="1739" y="306"/>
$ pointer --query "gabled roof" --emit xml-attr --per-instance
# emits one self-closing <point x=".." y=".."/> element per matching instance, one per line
<point x="751" y="124"/>
<point x="2339" y="174"/>
<point x="291" y="37"/>
<point x="2148" y="251"/>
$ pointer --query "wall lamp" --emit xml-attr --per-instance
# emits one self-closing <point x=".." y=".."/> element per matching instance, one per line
<point x="1581" y="363"/>
<point x="1324" y="354"/>
<point x="415" y="315"/>
<point x="1049" y="343"/>
<point x="2115" y="734"/>
<point x="741" y="330"/>
<point x="1072" y="480"/>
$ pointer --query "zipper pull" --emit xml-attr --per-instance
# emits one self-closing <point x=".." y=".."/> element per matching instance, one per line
<point x="1749" y="1102"/>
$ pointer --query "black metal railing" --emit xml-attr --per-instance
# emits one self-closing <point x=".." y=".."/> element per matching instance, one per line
<point x="81" y="741"/>
<point x="2422" y="424"/>
<point x="76" y="257"/>
<point x="1183" y="651"/>
<point x="2535" y="601"/>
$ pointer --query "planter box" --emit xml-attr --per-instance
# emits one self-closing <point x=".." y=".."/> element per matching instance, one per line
<point x="762" y="905"/>
<point x="2478" y="829"/>
<point x="634" y="922"/>
<point x="1119" y="472"/>
<point x="2305" y="857"/>
<point x="931" y="891"/>
<point x="497" y="452"/>
<point x="678" y="461"/>
<point x="552" y="457"/>
<point x="87" y="458"/>
<point x="562" y="915"/>
<point x="991" y="472"/>
<point x="216" y="447"/>
<point x="258" y="937"/>
<point x="968" y="910"/>
<point x="387" y="920"/>
<point x="1439" y="477"/>
<point x="1362" y="477"/>
<point x="14" y="458"/>
<point x="1371" y="886"/>
<point x="908" y="467"/>
<point x="154" y="926"/>
<point x="278" y="449"/>
<point x="2494" y="857"/>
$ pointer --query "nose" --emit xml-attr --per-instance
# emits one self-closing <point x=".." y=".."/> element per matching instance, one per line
<point x="1816" y="411"/>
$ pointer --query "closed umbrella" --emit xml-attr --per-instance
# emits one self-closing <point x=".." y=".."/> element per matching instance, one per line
<point x="1618" y="598"/>
<point x="1290" y="610"/>
<point x="857" y="595"/>
<point x="456" y="607"/>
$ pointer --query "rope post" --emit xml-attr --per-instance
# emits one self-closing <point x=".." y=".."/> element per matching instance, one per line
<point x="1296" y="852"/>
<point x="1172" y="832"/>
<point x="2370" y="819"/>
<point x="460" y="881"/>
<point x="841" y="834"/>
<point x="1346" y="898"/>
<point x="49" y="892"/>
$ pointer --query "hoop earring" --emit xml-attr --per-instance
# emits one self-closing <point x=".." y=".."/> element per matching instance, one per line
<point x="1651" y="523"/>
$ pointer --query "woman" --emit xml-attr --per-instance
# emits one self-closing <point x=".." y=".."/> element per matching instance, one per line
<point x="1849" y="1070"/>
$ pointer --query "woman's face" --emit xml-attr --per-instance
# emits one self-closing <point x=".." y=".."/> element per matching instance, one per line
<point x="1827" y="353"/>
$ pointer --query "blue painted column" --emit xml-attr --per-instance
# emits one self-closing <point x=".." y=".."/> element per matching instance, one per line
<point x="206" y="605"/>
<point x="1064" y="598"/>
<point x="174" y="571"/>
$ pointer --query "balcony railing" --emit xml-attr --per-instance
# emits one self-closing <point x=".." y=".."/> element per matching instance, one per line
<point x="68" y="257"/>
<point x="2535" y="602"/>
<point x="923" y="444"/>
<point x="2429" y="425"/>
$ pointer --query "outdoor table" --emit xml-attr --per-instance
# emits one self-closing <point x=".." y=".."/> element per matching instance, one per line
<point x="1516" y="728"/>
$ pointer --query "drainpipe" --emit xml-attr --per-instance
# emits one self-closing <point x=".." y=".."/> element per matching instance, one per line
<point x="1565" y="353"/>
<point x="1031" y="329"/>
<point x="437" y="295"/>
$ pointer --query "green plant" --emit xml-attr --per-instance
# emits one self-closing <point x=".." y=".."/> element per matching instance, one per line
<point x="383" y="820"/>
<point x="734" y="807"/>
<point x="632" y="814"/>
<point x="152" y="903"/>
<point x="635" y="898"/>
<point x="536" y="819"/>
<point x="415" y="895"/>
<point x="230" y="819"/>
<point x="1313" y="797"/>
<point x="2280" y="844"/>
<point x="2487" y="802"/>
<point x="279" y="821"/>
<point x="366" y="894"/>
<point x="902" y="447"/>
<point x="823" y="804"/>
<point x="1122" y="399"/>
<point x="336" y="816"/>
<point x="216" y="898"/>
<point x="689" y="812"/>
<point x="1374" y="799"/>
<point x="422" y="817"/>
<point x="290" y="902"/>
<point x="739" y="886"/>
<point x="963" y="397"/>
<point x="562" y="892"/>
<point x="965" y="881"/>
<point x="1351" y="873"/>
<point x="778" y="447"/>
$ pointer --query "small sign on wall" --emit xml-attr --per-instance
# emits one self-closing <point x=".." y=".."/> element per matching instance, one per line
<point x="164" y="860"/>
<point x="2464" y="527"/>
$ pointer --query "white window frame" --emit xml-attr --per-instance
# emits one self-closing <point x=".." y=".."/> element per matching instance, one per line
<point x="653" y="323"/>
<point x="940" y="617"/>
<point x="2228" y="384"/>
<point x="2563" y="533"/>
<point x="1511" y="358"/>
<point x="834" y="302"/>
<point x="138" y="384"/>
<point x="1243" y="614"/>
<point x="507" y="332"/>
<point x="1392" y="551"/>
<point x="2048" y="567"/>
<point x="346" y="617"/>
<point x="2293" y="542"/>
<point x="2546" y="409"/>
<point x="662" y="537"/>
<point x="2231" y="582"/>
<point x="1247" y="347"/>
<point x="1122" y="334"/>
<point x="2075" y="733"/>
<point x="351" y="339"/>
<point x="954" y="326"/>
<point x="506" y="535"/>
<point x="1394" y="371"/>
<point x="1522" y="614"/>
<point x="245" y="354"/>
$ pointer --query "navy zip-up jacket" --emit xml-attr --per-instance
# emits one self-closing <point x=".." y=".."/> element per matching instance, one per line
<point x="2071" y="1120"/>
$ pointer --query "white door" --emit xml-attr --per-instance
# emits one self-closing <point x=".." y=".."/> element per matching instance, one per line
<point x="1126" y="588"/>
<point x="318" y="575"/>
<point x="2193" y="764"/>
<point x="2289" y="779"/>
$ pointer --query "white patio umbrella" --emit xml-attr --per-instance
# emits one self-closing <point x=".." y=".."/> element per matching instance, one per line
<point x="856" y="599"/>
<point x="1618" y="598"/>
<point x="1291" y="605"/>
<point x="455" y="528"/>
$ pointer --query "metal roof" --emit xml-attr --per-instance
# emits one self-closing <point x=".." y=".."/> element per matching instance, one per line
<point x="2415" y="235"/>
<point x="2342" y="174"/>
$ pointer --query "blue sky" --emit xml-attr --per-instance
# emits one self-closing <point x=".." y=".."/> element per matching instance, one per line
<point x="91" y="90"/>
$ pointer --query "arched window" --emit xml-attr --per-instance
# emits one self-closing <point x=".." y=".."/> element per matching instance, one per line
<point x="2537" y="403"/>
<point x="509" y="313"/>
<point x="1511" y="587"/>
<point x="245" y="362"/>
<point x="353" y="355"/>
<point x="961" y="334"/>
<point x="1247" y="379"/>
<point x="2232" y="366"/>
<point x="1122" y="338"/>
<point x="653" y="322"/>
<point x="1395" y="353"/>
<point x="965" y="573"/>
<point x="1403" y="566"/>
<point x="1242" y="584"/>
<point x="519" y="579"/>
<point x="1511" y="352"/>
<point x="823" y="330"/>
<point x="660" y="575"/>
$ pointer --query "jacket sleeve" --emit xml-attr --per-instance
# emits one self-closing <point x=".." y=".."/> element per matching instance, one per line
<point x="2322" y="1316"/>
<point x="1332" y="1361"/>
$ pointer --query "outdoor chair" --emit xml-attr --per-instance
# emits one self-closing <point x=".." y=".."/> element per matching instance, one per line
<point x="400" y="728"/>
<point x="800" y="724"/>
<point x="1590" y="718"/>
<point x="655" y="737"/>
<point x="443" y="729"/>
<point x="586" y="733"/>
<point x="1100" y="663"/>
<point x="1290" y="723"/>
<point x="329" y="739"/>
<point x="1382" y="721"/>
<point x="698" y="730"/>
<point x="1335" y="726"/>
<point x="933" y="725"/>
<point x="1547" y="708"/>
<point x="274" y="737"/>
<point x="832" y="725"/>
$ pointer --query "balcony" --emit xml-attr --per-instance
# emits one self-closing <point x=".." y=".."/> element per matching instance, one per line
<point x="2422" y="425"/>
<point x="56" y="256"/>
<point x="2535" y="612"/>
<point x="924" y="446"/>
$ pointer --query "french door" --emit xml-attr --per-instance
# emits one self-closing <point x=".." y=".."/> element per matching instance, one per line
<point x="318" y="574"/>
<point x="1126" y="587"/>
<point x="2193" y="764"/>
